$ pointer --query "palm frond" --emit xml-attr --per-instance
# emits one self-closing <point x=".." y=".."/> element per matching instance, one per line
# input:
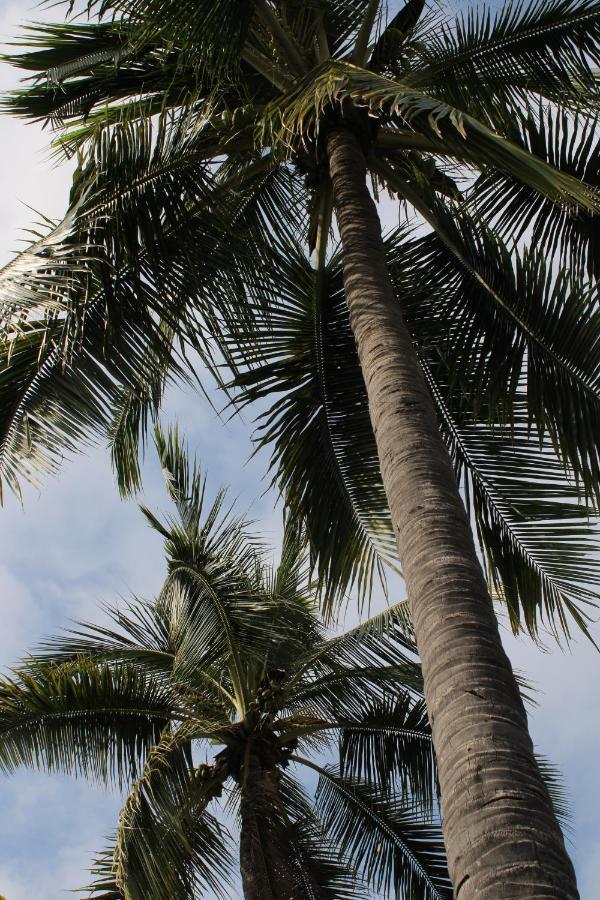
<point x="362" y="665"/>
<point x="390" y="745"/>
<point x="302" y="352"/>
<point x="510" y="320"/>
<point x="456" y="133"/>
<point x="320" y="871"/>
<point x="81" y="718"/>
<point x="570" y="143"/>
<point x="133" y="409"/>
<point x="398" y="850"/>
<point x="540" y="543"/>
<point x="99" y="298"/>
<point x="167" y="844"/>
<point x="214" y="31"/>
<point x="491" y="61"/>
<point x="554" y="782"/>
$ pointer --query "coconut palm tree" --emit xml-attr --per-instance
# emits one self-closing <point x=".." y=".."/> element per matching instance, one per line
<point x="227" y="683"/>
<point x="213" y="141"/>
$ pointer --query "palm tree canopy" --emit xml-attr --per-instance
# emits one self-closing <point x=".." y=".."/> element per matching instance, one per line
<point x="231" y="659"/>
<point x="201" y="189"/>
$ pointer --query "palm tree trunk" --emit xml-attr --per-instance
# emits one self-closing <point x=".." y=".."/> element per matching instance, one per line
<point x="265" y="862"/>
<point x="502" y="837"/>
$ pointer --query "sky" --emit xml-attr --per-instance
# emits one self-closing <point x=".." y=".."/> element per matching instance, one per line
<point x="74" y="545"/>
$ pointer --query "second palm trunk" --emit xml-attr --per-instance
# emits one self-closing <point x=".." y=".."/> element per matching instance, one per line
<point x="502" y="837"/>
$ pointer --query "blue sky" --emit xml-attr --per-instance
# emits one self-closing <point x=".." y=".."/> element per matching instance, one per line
<point x="76" y="544"/>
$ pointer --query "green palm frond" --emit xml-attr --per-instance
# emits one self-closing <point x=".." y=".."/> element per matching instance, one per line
<point x="355" y="668"/>
<point x="320" y="871"/>
<point x="491" y="61"/>
<point x="213" y="30"/>
<point x="74" y="68"/>
<point x="81" y="718"/>
<point x="502" y="320"/>
<point x="571" y="144"/>
<point x="79" y="101"/>
<point x="390" y="745"/>
<point x="451" y="130"/>
<point x="544" y="341"/>
<point x="554" y="782"/>
<point x="302" y="351"/>
<point x="133" y="409"/>
<point x="83" y="320"/>
<point x="322" y="874"/>
<point x="386" y="636"/>
<point x="167" y="844"/>
<point x="139" y="635"/>
<point x="538" y="540"/>
<point x="398" y="852"/>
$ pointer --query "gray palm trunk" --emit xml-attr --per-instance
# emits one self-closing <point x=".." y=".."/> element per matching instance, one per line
<point x="266" y="865"/>
<point x="502" y="837"/>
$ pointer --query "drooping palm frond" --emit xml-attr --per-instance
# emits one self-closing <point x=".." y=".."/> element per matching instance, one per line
<point x="502" y="320"/>
<point x="489" y="62"/>
<point x="95" y="303"/>
<point x="319" y="870"/>
<point x="536" y="536"/>
<point x="398" y="851"/>
<point x="167" y="844"/>
<point x="96" y="720"/>
<point x="571" y="144"/>
<point x="544" y="343"/>
<point x="87" y="78"/>
<point x="390" y="745"/>
<point x="301" y="351"/>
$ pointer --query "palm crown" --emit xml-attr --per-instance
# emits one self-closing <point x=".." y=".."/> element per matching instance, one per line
<point x="202" y="185"/>
<point x="231" y="664"/>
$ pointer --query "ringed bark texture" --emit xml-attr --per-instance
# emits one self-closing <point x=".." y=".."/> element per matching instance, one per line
<point x="502" y="837"/>
<point x="266" y="865"/>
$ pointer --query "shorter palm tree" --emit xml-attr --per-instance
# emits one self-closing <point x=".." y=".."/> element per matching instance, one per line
<point x="227" y="686"/>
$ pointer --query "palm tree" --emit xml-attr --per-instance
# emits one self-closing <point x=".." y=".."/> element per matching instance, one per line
<point x="231" y="664"/>
<point x="212" y="143"/>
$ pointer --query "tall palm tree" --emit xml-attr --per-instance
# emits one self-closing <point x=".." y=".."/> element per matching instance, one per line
<point x="227" y="683"/>
<point x="212" y="142"/>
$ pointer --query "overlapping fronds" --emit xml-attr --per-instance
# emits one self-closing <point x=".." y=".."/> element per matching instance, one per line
<point x="571" y="144"/>
<point x="398" y="851"/>
<point x="92" y="308"/>
<point x="342" y="674"/>
<point x="537" y="536"/>
<point x="236" y="656"/>
<point x="301" y="352"/>
<point x="213" y="31"/>
<point x="167" y="844"/>
<point x="503" y="320"/>
<point x="489" y="62"/>
<point x="451" y="285"/>
<point x="81" y="717"/>
<point x="452" y="130"/>
<point x="390" y="745"/>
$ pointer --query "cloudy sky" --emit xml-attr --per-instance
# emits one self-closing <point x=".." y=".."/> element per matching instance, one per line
<point x="76" y="544"/>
